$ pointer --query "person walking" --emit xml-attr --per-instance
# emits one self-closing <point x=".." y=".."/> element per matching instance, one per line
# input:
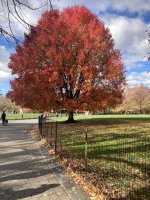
<point x="3" y="117"/>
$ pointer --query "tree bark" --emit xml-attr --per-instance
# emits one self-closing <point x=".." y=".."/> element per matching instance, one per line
<point x="70" y="117"/>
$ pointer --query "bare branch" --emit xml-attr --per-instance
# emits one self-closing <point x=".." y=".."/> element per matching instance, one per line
<point x="26" y="5"/>
<point x="9" y="12"/>
<point x="14" y="9"/>
<point x="50" y="3"/>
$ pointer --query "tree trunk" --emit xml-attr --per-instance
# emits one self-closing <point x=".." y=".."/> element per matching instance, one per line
<point x="70" y="117"/>
<point x="140" y="107"/>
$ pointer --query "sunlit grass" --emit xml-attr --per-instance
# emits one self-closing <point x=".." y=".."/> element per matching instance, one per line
<point x="106" y="117"/>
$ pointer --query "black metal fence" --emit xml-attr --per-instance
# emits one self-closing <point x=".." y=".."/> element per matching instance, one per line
<point x="117" y="163"/>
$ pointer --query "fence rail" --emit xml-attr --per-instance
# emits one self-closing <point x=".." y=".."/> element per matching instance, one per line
<point x="119" y="163"/>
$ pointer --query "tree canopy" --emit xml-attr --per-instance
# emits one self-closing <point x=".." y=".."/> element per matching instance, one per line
<point x="67" y="61"/>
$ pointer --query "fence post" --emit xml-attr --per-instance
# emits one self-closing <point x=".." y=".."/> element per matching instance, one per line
<point x="40" y="125"/>
<point x="39" y="122"/>
<point x="56" y="139"/>
<point x="85" y="151"/>
<point x="47" y="125"/>
<point x="51" y="134"/>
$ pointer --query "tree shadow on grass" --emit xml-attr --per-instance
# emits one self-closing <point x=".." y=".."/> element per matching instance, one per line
<point x="142" y="193"/>
<point x="118" y="169"/>
<point x="117" y="150"/>
<point x="125" y="160"/>
<point x="110" y="121"/>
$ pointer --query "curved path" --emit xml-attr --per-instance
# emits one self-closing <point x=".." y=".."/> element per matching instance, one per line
<point x="27" y="171"/>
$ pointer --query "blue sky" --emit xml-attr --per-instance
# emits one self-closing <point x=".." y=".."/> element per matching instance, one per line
<point x="127" y="20"/>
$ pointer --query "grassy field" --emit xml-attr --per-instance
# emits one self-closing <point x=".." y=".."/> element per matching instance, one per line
<point x="81" y="117"/>
<point x="118" y="153"/>
<point x="105" y="117"/>
<point x="10" y="116"/>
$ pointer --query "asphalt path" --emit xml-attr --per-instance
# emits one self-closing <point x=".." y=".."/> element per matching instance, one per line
<point x="24" y="121"/>
<point x="26" y="169"/>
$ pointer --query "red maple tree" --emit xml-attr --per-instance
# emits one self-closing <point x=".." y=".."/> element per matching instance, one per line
<point x="67" y="61"/>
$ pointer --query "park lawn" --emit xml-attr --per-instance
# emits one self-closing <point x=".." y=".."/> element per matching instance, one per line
<point x="118" y="154"/>
<point x="17" y="116"/>
<point x="81" y="117"/>
<point x="111" y="117"/>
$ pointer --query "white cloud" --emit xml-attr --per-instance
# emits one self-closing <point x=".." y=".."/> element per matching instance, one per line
<point x="5" y="73"/>
<point x="98" y="6"/>
<point x="136" y="78"/>
<point x="130" y="37"/>
<point x="132" y="6"/>
<point x="95" y="6"/>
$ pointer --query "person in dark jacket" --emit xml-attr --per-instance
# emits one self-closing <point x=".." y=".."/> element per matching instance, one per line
<point x="3" y="117"/>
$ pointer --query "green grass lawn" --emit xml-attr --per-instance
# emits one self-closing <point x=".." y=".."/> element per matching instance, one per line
<point x="82" y="117"/>
<point x="105" y="117"/>
<point x="118" y="153"/>
<point x="20" y="116"/>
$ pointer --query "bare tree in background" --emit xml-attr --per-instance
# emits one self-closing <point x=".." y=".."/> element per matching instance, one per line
<point x="136" y="100"/>
<point x="12" y="10"/>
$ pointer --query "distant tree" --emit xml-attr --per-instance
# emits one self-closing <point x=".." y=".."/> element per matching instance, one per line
<point x="140" y="97"/>
<point x="7" y="105"/>
<point x="136" y="100"/>
<point x="67" y="61"/>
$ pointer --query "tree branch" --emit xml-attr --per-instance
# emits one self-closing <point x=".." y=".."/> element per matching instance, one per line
<point x="12" y="8"/>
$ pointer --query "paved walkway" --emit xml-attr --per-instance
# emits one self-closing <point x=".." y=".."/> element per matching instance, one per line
<point x="28" y="172"/>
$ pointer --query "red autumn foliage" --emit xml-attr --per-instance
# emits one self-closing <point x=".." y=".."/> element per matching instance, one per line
<point x="67" y="61"/>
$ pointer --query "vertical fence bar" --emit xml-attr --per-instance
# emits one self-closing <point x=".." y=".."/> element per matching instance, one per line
<point x="44" y="128"/>
<point x="51" y="134"/>
<point x="86" y="152"/>
<point x="39" y="123"/>
<point x="47" y="125"/>
<point x="56" y="139"/>
<point x="41" y="126"/>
